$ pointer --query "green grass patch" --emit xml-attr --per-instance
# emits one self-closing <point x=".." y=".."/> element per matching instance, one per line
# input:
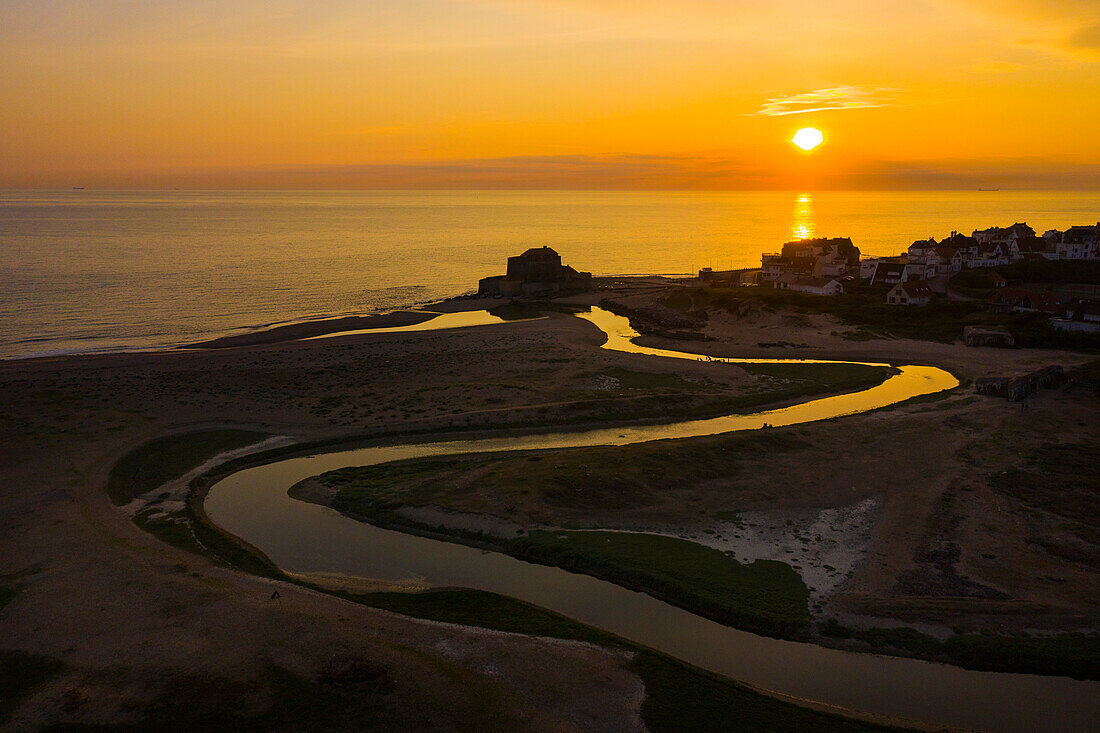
<point x="680" y="699"/>
<point x="20" y="674"/>
<point x="165" y="459"/>
<point x="903" y="639"/>
<point x="599" y="477"/>
<point x="765" y="596"/>
<point x="1072" y="655"/>
<point x="791" y="382"/>
<point x="488" y="611"/>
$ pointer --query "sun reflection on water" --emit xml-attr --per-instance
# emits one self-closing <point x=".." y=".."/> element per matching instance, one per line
<point x="803" y="226"/>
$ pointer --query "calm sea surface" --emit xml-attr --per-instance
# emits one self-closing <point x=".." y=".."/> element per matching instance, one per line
<point x="104" y="270"/>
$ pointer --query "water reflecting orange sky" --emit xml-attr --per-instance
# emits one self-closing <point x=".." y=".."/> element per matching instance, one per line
<point x="802" y="222"/>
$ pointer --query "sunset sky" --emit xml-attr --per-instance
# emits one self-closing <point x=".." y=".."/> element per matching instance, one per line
<point x="550" y="93"/>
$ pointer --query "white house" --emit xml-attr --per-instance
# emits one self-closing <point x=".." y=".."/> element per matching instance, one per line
<point x="1079" y="243"/>
<point x="888" y="274"/>
<point x="951" y="260"/>
<point x="910" y="292"/>
<point x="919" y="270"/>
<point x="867" y="267"/>
<point x="990" y="254"/>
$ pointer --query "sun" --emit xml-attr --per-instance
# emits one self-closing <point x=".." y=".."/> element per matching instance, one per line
<point x="808" y="138"/>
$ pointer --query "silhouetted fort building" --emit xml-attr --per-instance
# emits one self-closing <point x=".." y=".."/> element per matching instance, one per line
<point x="538" y="272"/>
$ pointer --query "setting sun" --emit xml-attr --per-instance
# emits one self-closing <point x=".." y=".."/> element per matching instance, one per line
<point x="808" y="138"/>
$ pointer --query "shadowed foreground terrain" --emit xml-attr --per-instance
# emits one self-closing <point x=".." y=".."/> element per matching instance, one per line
<point x="105" y="625"/>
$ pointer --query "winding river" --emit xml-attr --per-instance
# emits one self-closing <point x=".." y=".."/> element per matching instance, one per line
<point x="308" y="539"/>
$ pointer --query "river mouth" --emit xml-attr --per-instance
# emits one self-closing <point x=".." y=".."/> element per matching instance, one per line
<point x="307" y="539"/>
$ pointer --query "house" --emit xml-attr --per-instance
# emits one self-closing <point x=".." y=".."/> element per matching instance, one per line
<point x="538" y="272"/>
<point x="920" y="270"/>
<point x="1081" y="315"/>
<point x="810" y="284"/>
<point x="1005" y="236"/>
<point x="867" y="267"/>
<point x="989" y="254"/>
<point x="951" y="260"/>
<point x="832" y="264"/>
<point x="1079" y="243"/>
<point x="1039" y="247"/>
<point x="888" y="274"/>
<point x="967" y="246"/>
<point x="922" y="261"/>
<point x="773" y="265"/>
<point x="922" y="248"/>
<point x="1019" y="300"/>
<point x="910" y="292"/>
<point x="820" y="257"/>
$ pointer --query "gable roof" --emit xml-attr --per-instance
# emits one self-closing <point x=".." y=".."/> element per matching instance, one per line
<point x="958" y="241"/>
<point x="1033" y="244"/>
<point x="916" y="288"/>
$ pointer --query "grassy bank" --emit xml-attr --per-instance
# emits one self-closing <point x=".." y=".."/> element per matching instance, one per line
<point x="680" y="698"/>
<point x="1069" y="655"/>
<point x="765" y="597"/>
<point x="488" y="611"/>
<point x="158" y="462"/>
<point x="166" y="459"/>
<point x="596" y="478"/>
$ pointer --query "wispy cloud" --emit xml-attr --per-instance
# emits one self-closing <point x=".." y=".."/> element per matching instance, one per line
<point x="843" y="97"/>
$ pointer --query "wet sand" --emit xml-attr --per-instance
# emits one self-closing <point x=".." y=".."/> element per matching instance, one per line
<point x="309" y="329"/>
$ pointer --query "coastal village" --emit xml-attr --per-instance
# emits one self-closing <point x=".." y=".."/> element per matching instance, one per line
<point x="958" y="268"/>
<point x="930" y="269"/>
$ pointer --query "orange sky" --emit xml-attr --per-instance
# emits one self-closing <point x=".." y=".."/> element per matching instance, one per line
<point x="549" y="93"/>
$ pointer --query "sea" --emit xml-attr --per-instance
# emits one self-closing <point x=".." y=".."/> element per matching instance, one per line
<point x="87" y="271"/>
